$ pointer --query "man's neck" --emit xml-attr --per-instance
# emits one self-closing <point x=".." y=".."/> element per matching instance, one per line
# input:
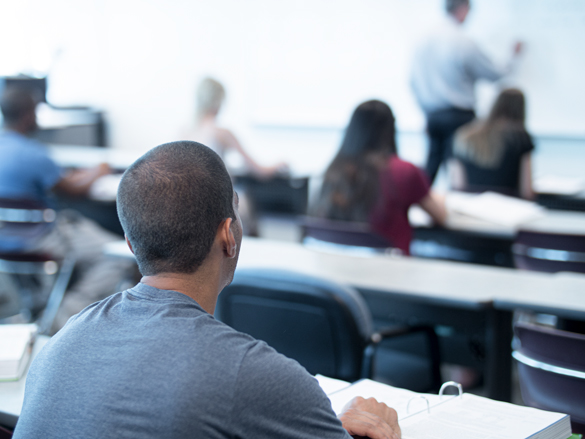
<point x="202" y="286"/>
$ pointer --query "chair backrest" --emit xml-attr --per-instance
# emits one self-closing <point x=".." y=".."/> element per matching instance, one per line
<point x="551" y="369"/>
<point x="322" y="325"/>
<point x="5" y="433"/>
<point x="22" y="222"/>
<point x="41" y="277"/>
<point x="549" y="252"/>
<point x="343" y="232"/>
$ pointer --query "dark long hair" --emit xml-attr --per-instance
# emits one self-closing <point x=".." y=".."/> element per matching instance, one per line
<point x="351" y="183"/>
<point x="483" y="142"/>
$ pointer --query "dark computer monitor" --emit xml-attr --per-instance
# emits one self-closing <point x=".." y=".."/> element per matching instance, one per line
<point x="37" y="86"/>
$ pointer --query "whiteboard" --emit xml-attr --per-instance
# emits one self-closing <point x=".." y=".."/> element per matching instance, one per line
<point x="345" y="52"/>
<point x="296" y="64"/>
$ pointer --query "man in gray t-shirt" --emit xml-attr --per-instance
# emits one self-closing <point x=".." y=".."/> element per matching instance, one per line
<point x="152" y="362"/>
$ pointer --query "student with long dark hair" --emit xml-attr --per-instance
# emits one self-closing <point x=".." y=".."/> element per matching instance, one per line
<point x="495" y="154"/>
<point x="367" y="182"/>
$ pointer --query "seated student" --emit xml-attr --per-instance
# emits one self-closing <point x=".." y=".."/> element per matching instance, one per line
<point x="27" y="173"/>
<point x="367" y="182"/>
<point x="210" y="97"/>
<point x="152" y="362"/>
<point x="495" y="154"/>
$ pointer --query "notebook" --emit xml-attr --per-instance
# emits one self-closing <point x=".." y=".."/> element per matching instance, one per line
<point x="15" y="349"/>
<point x="426" y="416"/>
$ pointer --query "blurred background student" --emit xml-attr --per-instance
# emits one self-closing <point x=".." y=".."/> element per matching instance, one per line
<point x="368" y="182"/>
<point x="30" y="177"/>
<point x="209" y="99"/>
<point x="446" y="66"/>
<point x="495" y="154"/>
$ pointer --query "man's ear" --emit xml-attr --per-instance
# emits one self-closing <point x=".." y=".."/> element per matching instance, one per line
<point x="228" y="240"/>
<point x="128" y="244"/>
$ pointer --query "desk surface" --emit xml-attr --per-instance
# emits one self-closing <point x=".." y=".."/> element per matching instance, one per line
<point x="12" y="392"/>
<point x="551" y="221"/>
<point x="438" y="282"/>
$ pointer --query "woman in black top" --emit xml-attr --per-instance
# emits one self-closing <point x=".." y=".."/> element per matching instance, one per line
<point x="495" y="154"/>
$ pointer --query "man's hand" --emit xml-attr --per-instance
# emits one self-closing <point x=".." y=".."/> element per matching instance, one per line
<point x="370" y="418"/>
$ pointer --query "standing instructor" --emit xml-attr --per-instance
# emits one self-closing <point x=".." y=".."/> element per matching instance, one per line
<point x="445" y="69"/>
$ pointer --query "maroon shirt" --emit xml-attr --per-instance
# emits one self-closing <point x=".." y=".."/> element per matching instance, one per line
<point x="402" y="185"/>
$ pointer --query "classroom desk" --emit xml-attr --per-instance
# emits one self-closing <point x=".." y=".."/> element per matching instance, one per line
<point x="458" y="299"/>
<point x="562" y="295"/>
<point x="483" y="242"/>
<point x="12" y="392"/>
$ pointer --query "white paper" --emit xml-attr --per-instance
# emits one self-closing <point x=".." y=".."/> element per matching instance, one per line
<point x="105" y="188"/>
<point x="393" y="397"/>
<point x="15" y="346"/>
<point x="330" y="385"/>
<point x="496" y="208"/>
<point x="554" y="184"/>
<point x="472" y="416"/>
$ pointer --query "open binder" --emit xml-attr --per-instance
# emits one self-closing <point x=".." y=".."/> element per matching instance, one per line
<point x="427" y="416"/>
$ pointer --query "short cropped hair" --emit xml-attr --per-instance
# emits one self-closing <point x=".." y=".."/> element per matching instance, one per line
<point x="171" y="202"/>
<point x="15" y="103"/>
<point x="452" y="5"/>
<point x="210" y="96"/>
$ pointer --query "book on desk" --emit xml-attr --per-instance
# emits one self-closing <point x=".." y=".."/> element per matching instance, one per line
<point x="452" y="416"/>
<point x="16" y="343"/>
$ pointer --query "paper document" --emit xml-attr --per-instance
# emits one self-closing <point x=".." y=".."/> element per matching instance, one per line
<point x="15" y="349"/>
<point x="558" y="185"/>
<point x="495" y="208"/>
<point x="471" y="416"/>
<point x="393" y="397"/>
<point x="426" y="416"/>
<point x="105" y="188"/>
<point x="330" y="385"/>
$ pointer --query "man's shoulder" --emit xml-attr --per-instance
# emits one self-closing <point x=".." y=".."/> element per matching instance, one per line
<point x="12" y="137"/>
<point x="15" y="143"/>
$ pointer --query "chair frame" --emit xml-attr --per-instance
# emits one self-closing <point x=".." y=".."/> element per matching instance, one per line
<point x="549" y="252"/>
<point x="32" y="218"/>
<point x="342" y="232"/>
<point x="540" y="370"/>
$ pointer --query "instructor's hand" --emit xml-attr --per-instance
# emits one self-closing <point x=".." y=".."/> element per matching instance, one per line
<point x="370" y="418"/>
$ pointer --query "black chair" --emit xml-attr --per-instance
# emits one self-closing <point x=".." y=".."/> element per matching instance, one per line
<point x="342" y="232"/>
<point x="39" y="279"/>
<point x="5" y="433"/>
<point x="551" y="369"/>
<point x="549" y="252"/>
<point x="326" y="327"/>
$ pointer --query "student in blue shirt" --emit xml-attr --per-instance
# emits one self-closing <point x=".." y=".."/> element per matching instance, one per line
<point x="27" y="173"/>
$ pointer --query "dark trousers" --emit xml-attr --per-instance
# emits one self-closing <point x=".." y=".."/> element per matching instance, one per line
<point x="441" y="125"/>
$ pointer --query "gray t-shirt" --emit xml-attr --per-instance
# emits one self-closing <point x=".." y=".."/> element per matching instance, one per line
<point x="149" y="363"/>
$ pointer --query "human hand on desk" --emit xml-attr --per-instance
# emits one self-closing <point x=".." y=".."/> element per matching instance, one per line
<point x="370" y="418"/>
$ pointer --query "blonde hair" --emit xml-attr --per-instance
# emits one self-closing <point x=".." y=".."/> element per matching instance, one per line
<point x="210" y="96"/>
<point x="483" y="143"/>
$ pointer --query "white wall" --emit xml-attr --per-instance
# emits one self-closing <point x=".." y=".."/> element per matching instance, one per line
<point x="302" y="63"/>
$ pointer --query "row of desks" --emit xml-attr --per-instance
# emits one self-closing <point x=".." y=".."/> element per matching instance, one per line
<point x="472" y="304"/>
<point x="475" y="302"/>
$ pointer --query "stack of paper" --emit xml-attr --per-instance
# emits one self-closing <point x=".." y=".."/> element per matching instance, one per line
<point x="496" y="208"/>
<point x="15" y="348"/>
<point x="558" y="185"/>
<point x="105" y="188"/>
